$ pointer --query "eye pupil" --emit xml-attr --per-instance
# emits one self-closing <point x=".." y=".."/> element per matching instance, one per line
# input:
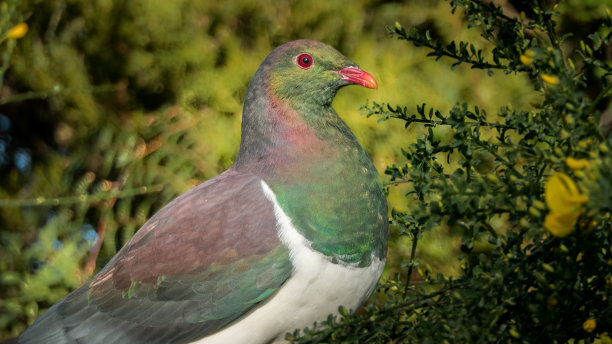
<point x="305" y="60"/>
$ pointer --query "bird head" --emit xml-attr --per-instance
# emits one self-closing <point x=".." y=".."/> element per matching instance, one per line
<point x="307" y="71"/>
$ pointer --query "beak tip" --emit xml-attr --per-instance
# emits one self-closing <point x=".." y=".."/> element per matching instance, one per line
<point x="357" y="76"/>
<point x="372" y="84"/>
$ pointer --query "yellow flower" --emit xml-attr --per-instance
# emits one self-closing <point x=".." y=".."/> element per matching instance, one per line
<point x="589" y="325"/>
<point x="550" y="80"/>
<point x="18" y="31"/>
<point x="561" y="193"/>
<point x="564" y="201"/>
<point x="559" y="224"/>
<point x="577" y="164"/>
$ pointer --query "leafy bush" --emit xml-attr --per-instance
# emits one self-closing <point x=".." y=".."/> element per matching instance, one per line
<point x="527" y="189"/>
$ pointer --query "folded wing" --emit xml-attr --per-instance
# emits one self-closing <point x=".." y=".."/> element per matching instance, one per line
<point x="201" y="262"/>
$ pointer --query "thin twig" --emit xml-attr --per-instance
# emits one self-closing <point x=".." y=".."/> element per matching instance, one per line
<point x="102" y="196"/>
<point x="53" y="92"/>
<point x="90" y="266"/>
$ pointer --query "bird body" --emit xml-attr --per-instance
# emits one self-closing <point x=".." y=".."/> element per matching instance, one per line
<point x="294" y="229"/>
<point x="317" y="287"/>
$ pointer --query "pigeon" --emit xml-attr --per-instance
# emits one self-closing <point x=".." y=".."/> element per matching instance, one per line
<point x="294" y="229"/>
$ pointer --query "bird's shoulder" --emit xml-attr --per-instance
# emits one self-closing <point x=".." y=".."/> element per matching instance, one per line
<point x="220" y="221"/>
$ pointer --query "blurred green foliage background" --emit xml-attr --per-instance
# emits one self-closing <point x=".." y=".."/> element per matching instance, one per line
<point x="109" y="109"/>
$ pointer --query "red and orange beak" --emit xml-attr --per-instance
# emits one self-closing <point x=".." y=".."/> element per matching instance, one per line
<point x="357" y="76"/>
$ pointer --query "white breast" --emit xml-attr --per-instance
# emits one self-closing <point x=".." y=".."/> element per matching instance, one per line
<point x="316" y="288"/>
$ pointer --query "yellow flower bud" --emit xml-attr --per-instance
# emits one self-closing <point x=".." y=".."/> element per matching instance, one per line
<point x="577" y="164"/>
<point x="18" y="31"/>
<point x="571" y="64"/>
<point x="589" y="325"/>
<point x="564" y="134"/>
<point x="550" y="80"/>
<point x="524" y="223"/>
<point x="539" y="204"/>
<point x="526" y="60"/>
<point x="534" y="212"/>
<point x="492" y="177"/>
<point x="527" y="57"/>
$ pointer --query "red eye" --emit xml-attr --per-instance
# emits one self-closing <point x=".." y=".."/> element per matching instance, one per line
<point x="304" y="61"/>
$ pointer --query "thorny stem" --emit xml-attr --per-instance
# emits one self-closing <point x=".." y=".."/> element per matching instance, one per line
<point x="552" y="34"/>
<point x="499" y="158"/>
<point x="498" y="14"/>
<point x="600" y="97"/>
<point x="440" y="122"/>
<point x="397" y="182"/>
<point x="443" y="52"/>
<point x="415" y="240"/>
